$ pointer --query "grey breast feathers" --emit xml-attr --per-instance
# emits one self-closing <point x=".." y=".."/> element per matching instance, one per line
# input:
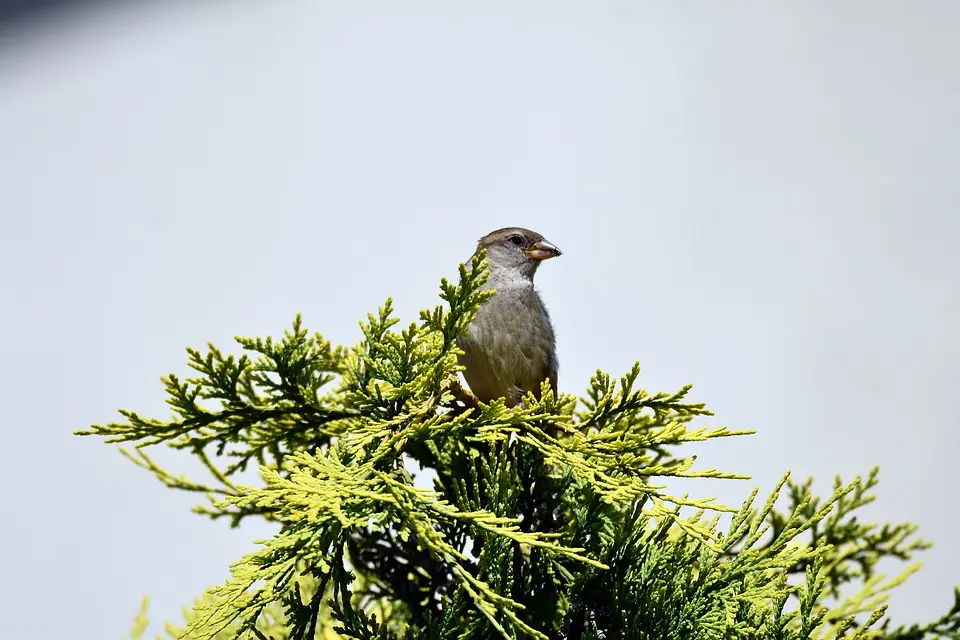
<point x="510" y="348"/>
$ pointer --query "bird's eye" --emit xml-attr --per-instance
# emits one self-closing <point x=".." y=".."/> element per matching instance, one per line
<point x="516" y="240"/>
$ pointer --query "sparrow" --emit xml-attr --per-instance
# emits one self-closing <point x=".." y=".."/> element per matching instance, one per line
<point x="509" y="348"/>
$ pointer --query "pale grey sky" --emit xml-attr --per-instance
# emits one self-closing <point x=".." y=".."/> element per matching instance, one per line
<point x="758" y="198"/>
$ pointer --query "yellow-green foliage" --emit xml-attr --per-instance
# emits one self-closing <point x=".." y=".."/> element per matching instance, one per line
<point x="546" y="521"/>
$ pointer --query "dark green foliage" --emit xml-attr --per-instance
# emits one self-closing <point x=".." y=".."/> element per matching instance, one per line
<point x="544" y="521"/>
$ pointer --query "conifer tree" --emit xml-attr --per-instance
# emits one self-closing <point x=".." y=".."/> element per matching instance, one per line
<point x="547" y="521"/>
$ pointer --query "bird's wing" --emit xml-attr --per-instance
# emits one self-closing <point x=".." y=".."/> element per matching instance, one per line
<point x="553" y="367"/>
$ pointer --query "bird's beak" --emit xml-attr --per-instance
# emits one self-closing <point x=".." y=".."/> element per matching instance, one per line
<point x="543" y="250"/>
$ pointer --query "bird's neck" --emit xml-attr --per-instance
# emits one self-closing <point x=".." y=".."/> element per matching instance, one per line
<point x="510" y="277"/>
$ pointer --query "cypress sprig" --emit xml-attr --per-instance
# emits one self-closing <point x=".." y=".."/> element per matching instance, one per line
<point x="549" y="520"/>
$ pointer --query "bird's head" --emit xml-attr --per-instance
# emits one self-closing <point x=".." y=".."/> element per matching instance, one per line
<point x="517" y="249"/>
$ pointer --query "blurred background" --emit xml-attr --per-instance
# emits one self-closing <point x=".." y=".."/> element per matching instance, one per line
<point x="757" y="198"/>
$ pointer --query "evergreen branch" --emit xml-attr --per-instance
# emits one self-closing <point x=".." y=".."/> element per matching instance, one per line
<point x="140" y="622"/>
<point x="854" y="548"/>
<point x="490" y="523"/>
<point x="544" y="520"/>
<point x="142" y="460"/>
<point x="947" y="627"/>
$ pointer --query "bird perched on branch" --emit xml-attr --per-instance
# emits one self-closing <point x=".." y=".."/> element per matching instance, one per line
<point x="510" y="347"/>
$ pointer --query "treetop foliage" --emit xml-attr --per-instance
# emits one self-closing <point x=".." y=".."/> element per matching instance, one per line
<point x="550" y="520"/>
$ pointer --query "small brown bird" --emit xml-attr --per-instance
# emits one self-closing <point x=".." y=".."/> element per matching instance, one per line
<point x="510" y="347"/>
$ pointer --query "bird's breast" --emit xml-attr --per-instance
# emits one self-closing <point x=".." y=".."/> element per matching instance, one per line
<point x="510" y="345"/>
